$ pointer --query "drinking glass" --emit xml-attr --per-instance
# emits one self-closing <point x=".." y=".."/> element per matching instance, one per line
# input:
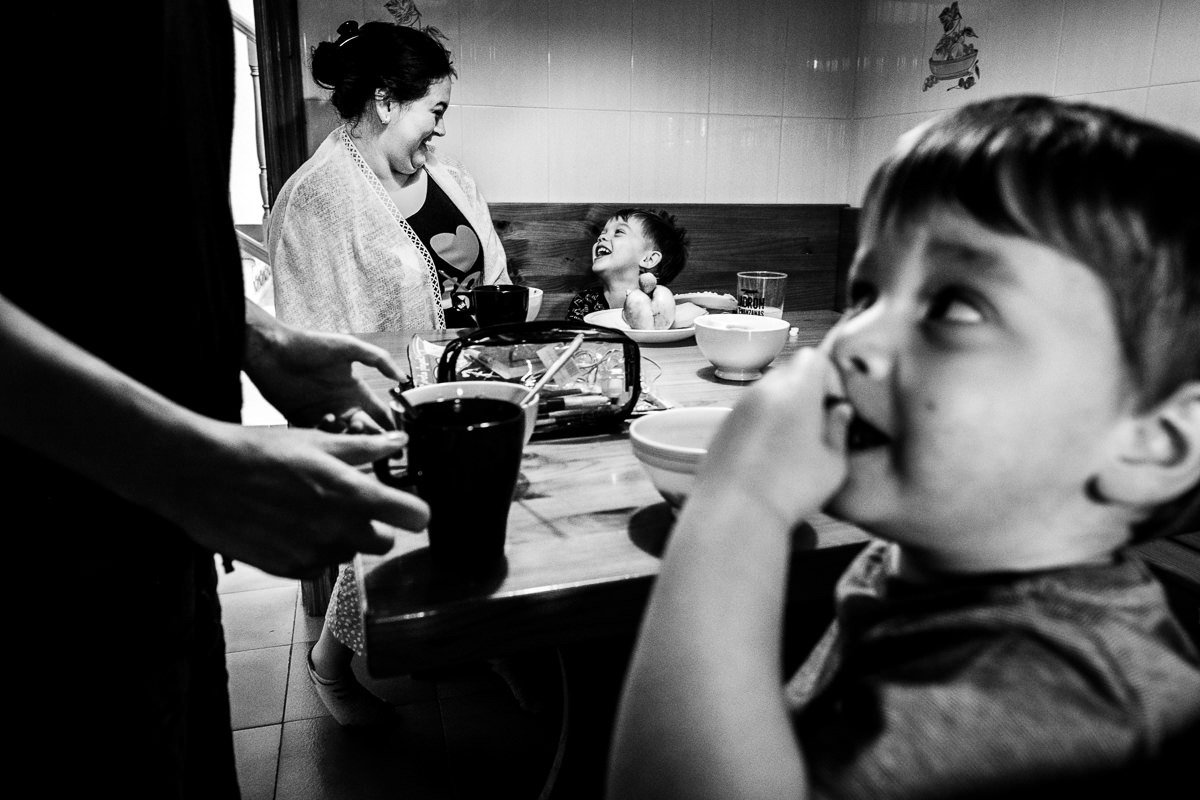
<point x="761" y="293"/>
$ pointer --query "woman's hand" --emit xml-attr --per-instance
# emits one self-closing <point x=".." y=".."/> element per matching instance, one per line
<point x="308" y="375"/>
<point x="782" y="450"/>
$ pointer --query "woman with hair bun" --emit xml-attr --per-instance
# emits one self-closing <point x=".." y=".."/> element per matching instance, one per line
<point x="376" y="231"/>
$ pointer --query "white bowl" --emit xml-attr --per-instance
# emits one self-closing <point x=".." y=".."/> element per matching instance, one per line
<point x="496" y="390"/>
<point x="740" y="345"/>
<point x="535" y="303"/>
<point x="671" y="444"/>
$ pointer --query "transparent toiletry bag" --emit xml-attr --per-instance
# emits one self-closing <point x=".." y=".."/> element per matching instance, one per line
<point x="594" y="391"/>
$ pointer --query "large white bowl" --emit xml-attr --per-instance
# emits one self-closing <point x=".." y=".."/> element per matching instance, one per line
<point x="740" y="345"/>
<point x="671" y="444"/>
<point x="496" y="390"/>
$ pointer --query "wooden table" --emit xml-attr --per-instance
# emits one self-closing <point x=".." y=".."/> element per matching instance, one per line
<point x="583" y="541"/>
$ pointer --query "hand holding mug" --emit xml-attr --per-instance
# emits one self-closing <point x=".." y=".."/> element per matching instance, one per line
<point x="463" y="459"/>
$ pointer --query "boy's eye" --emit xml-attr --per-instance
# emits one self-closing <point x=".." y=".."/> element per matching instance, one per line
<point x="955" y="306"/>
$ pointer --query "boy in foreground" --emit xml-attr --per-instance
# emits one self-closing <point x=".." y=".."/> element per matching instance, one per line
<point x="1012" y="398"/>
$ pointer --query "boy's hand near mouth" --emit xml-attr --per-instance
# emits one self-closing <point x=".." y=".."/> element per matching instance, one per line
<point x="782" y="449"/>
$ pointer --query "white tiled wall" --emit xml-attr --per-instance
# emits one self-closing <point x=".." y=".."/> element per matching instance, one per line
<point x="650" y="101"/>
<point x="501" y="50"/>
<point x="1139" y="56"/>
<point x="671" y="50"/>
<point x="790" y="101"/>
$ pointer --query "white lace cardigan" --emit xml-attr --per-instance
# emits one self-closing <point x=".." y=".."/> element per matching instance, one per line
<point x="344" y="259"/>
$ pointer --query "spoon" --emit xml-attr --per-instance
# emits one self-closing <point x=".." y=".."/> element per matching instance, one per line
<point x="549" y="373"/>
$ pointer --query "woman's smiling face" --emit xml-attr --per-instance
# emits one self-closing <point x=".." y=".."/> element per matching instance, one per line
<point x="986" y="377"/>
<point x="409" y="131"/>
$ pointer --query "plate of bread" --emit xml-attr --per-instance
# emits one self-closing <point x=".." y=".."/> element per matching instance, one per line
<point x="653" y="314"/>
<point x="611" y="318"/>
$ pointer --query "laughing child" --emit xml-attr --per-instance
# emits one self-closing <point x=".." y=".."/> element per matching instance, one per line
<point x="632" y="242"/>
<point x="1011" y="399"/>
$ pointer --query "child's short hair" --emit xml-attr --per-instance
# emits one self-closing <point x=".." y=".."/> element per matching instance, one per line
<point x="668" y="236"/>
<point x="1094" y="184"/>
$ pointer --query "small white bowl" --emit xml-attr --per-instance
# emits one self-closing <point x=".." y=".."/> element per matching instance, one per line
<point x="671" y="444"/>
<point x="535" y="303"/>
<point x="496" y="390"/>
<point x="740" y="345"/>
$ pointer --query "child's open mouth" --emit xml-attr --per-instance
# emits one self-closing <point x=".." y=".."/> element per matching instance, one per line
<point x="600" y="250"/>
<point x="862" y="435"/>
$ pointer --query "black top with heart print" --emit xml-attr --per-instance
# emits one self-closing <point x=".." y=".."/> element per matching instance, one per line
<point x="452" y="243"/>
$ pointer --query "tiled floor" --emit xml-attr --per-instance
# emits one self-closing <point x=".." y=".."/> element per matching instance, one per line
<point x="461" y="735"/>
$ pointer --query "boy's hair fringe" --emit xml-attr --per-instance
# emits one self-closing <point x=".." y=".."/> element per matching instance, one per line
<point x="669" y="237"/>
<point x="1089" y="182"/>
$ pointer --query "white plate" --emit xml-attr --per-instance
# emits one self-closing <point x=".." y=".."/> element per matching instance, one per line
<point x="611" y="318"/>
<point x="713" y="301"/>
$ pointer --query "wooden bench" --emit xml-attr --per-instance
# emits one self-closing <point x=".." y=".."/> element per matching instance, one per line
<point x="549" y="245"/>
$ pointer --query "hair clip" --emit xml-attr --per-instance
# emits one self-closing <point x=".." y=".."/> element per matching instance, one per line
<point x="347" y="32"/>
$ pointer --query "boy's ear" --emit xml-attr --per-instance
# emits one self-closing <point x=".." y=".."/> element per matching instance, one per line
<point x="650" y="260"/>
<point x="1158" y="454"/>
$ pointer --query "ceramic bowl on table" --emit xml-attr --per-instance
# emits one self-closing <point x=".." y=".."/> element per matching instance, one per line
<point x="740" y="346"/>
<point x="496" y="390"/>
<point x="671" y="445"/>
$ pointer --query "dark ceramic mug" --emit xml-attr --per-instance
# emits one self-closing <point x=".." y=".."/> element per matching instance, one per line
<point x="463" y="458"/>
<point x="494" y="304"/>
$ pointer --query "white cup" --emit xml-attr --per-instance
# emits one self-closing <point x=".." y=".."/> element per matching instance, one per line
<point x="535" y="303"/>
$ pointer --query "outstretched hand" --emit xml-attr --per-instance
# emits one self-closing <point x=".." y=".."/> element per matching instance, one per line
<point x="308" y="375"/>
<point x="289" y="501"/>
